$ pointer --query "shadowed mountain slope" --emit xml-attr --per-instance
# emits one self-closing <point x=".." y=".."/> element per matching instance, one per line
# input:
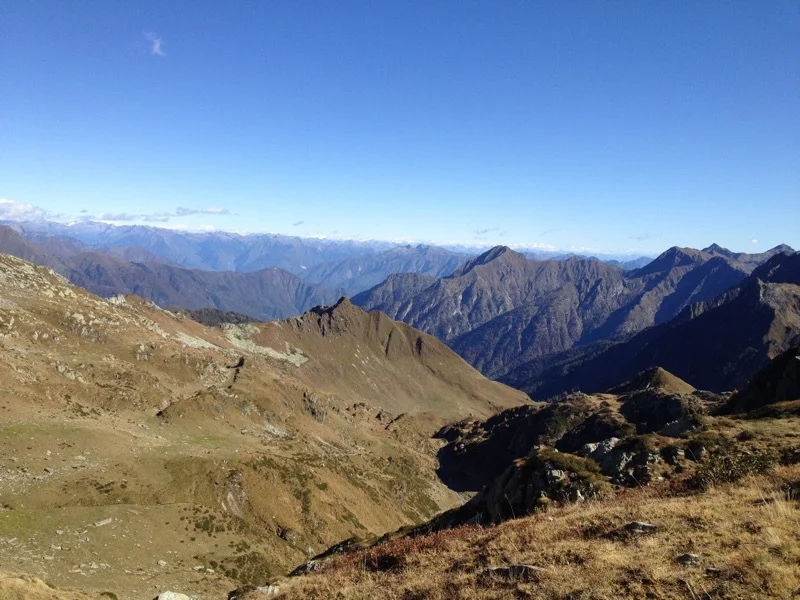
<point x="266" y="294"/>
<point x="501" y="310"/>
<point x="778" y="382"/>
<point x="716" y="345"/>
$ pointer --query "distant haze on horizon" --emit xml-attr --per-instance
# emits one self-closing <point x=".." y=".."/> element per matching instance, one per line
<point x="584" y="127"/>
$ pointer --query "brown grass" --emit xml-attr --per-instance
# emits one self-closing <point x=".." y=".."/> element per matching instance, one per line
<point x="23" y="587"/>
<point x="747" y="535"/>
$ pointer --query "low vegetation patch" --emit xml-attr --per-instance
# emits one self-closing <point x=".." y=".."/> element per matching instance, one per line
<point x="735" y="540"/>
<point x="730" y="465"/>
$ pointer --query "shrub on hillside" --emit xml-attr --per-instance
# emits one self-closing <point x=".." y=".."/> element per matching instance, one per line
<point x="728" y="465"/>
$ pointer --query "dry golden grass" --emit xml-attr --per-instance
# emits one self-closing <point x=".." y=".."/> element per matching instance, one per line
<point x="29" y="588"/>
<point x="123" y="413"/>
<point x="746" y="534"/>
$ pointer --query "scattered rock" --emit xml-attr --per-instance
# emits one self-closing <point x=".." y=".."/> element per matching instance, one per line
<point x="597" y="450"/>
<point x="553" y="475"/>
<point x="673" y="455"/>
<point x="162" y="563"/>
<point x="308" y="567"/>
<point x="688" y="559"/>
<point x="250" y="592"/>
<point x="652" y="410"/>
<point x="629" y="465"/>
<point x="314" y="407"/>
<point x="680" y="427"/>
<point x="640" y="527"/>
<point x="286" y="533"/>
<point x="172" y="596"/>
<point x="117" y="300"/>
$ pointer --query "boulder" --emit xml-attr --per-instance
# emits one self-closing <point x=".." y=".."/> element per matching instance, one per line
<point x="688" y="559"/>
<point x="673" y="455"/>
<point x="308" y="567"/>
<point x="529" y="484"/>
<point x="251" y="592"/>
<point x="596" y="451"/>
<point x="680" y="427"/>
<point x="629" y="463"/>
<point x="640" y="527"/>
<point x="651" y="410"/>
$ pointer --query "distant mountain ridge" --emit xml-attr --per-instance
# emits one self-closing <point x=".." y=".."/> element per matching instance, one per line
<point x="224" y="251"/>
<point x="717" y="345"/>
<point x="363" y="272"/>
<point x="264" y="295"/>
<point x="501" y="310"/>
<point x="213" y="251"/>
<point x="510" y="316"/>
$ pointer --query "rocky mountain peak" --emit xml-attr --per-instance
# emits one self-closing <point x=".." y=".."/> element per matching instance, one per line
<point x="656" y="379"/>
<point x="782" y="248"/>
<point x="678" y="256"/>
<point x="496" y="255"/>
<point x="717" y="249"/>
<point x="341" y="304"/>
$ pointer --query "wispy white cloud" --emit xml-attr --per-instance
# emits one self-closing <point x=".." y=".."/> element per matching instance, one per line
<point x="643" y="236"/>
<point x="11" y="210"/>
<point x="156" y="44"/>
<point x="164" y="217"/>
<point x="118" y="217"/>
<point x="754" y="241"/>
<point x="483" y="232"/>
<point x="17" y="210"/>
<point x="182" y="211"/>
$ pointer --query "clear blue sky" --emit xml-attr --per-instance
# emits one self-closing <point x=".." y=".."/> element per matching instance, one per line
<point x="607" y="125"/>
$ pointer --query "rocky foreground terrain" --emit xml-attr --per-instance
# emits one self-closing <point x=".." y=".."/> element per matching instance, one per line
<point x="141" y="451"/>
<point x="653" y="490"/>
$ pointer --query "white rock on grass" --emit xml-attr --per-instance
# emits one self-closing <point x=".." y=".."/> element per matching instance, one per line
<point x="173" y="596"/>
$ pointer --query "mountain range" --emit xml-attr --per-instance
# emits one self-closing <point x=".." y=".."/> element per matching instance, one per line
<point x="141" y="450"/>
<point x="542" y="325"/>
<point x="211" y="251"/>
<point x="349" y="264"/>
<point x="716" y="345"/>
<point x="266" y="294"/>
<point x="502" y="310"/>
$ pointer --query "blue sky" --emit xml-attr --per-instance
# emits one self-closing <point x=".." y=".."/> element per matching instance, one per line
<point x="611" y="126"/>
